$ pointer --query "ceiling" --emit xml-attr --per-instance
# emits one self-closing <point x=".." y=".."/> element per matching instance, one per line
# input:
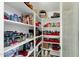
<point x="48" y="6"/>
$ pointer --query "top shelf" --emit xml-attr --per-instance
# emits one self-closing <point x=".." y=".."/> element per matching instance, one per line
<point x="20" y="6"/>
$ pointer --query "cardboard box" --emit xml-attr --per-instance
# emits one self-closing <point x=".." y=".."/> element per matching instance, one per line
<point x="45" y="45"/>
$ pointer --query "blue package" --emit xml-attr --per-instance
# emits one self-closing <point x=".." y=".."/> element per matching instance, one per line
<point x="11" y="17"/>
<point x="10" y="53"/>
<point x="15" y="17"/>
<point x="19" y="19"/>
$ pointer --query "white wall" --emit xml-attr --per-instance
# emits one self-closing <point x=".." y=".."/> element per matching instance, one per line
<point x="1" y="30"/>
<point x="78" y="29"/>
<point x="70" y="30"/>
<point x="48" y="6"/>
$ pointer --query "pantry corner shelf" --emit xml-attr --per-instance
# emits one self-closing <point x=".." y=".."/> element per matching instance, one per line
<point x="6" y="49"/>
<point x="21" y="9"/>
<point x="16" y="23"/>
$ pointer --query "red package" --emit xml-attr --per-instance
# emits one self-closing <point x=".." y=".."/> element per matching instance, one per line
<point x="24" y="53"/>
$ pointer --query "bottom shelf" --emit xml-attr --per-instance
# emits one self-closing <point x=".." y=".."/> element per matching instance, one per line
<point x="29" y="52"/>
<point x="50" y="53"/>
<point x="50" y="49"/>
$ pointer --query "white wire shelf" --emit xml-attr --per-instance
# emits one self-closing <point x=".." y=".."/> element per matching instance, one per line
<point x="38" y="36"/>
<point x="6" y="49"/>
<point x="51" y="42"/>
<point x="51" y="36"/>
<point x="16" y="23"/>
<point x="50" y="49"/>
<point x="51" y="28"/>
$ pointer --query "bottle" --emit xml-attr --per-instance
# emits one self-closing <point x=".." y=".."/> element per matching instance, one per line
<point x="46" y="52"/>
<point x="53" y="25"/>
<point x="31" y="46"/>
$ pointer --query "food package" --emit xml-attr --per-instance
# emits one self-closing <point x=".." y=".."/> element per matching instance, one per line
<point x="26" y="19"/>
<point x="45" y="45"/>
<point x="29" y="5"/>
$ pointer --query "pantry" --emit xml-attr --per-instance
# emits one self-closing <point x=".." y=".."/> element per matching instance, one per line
<point x="32" y="29"/>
